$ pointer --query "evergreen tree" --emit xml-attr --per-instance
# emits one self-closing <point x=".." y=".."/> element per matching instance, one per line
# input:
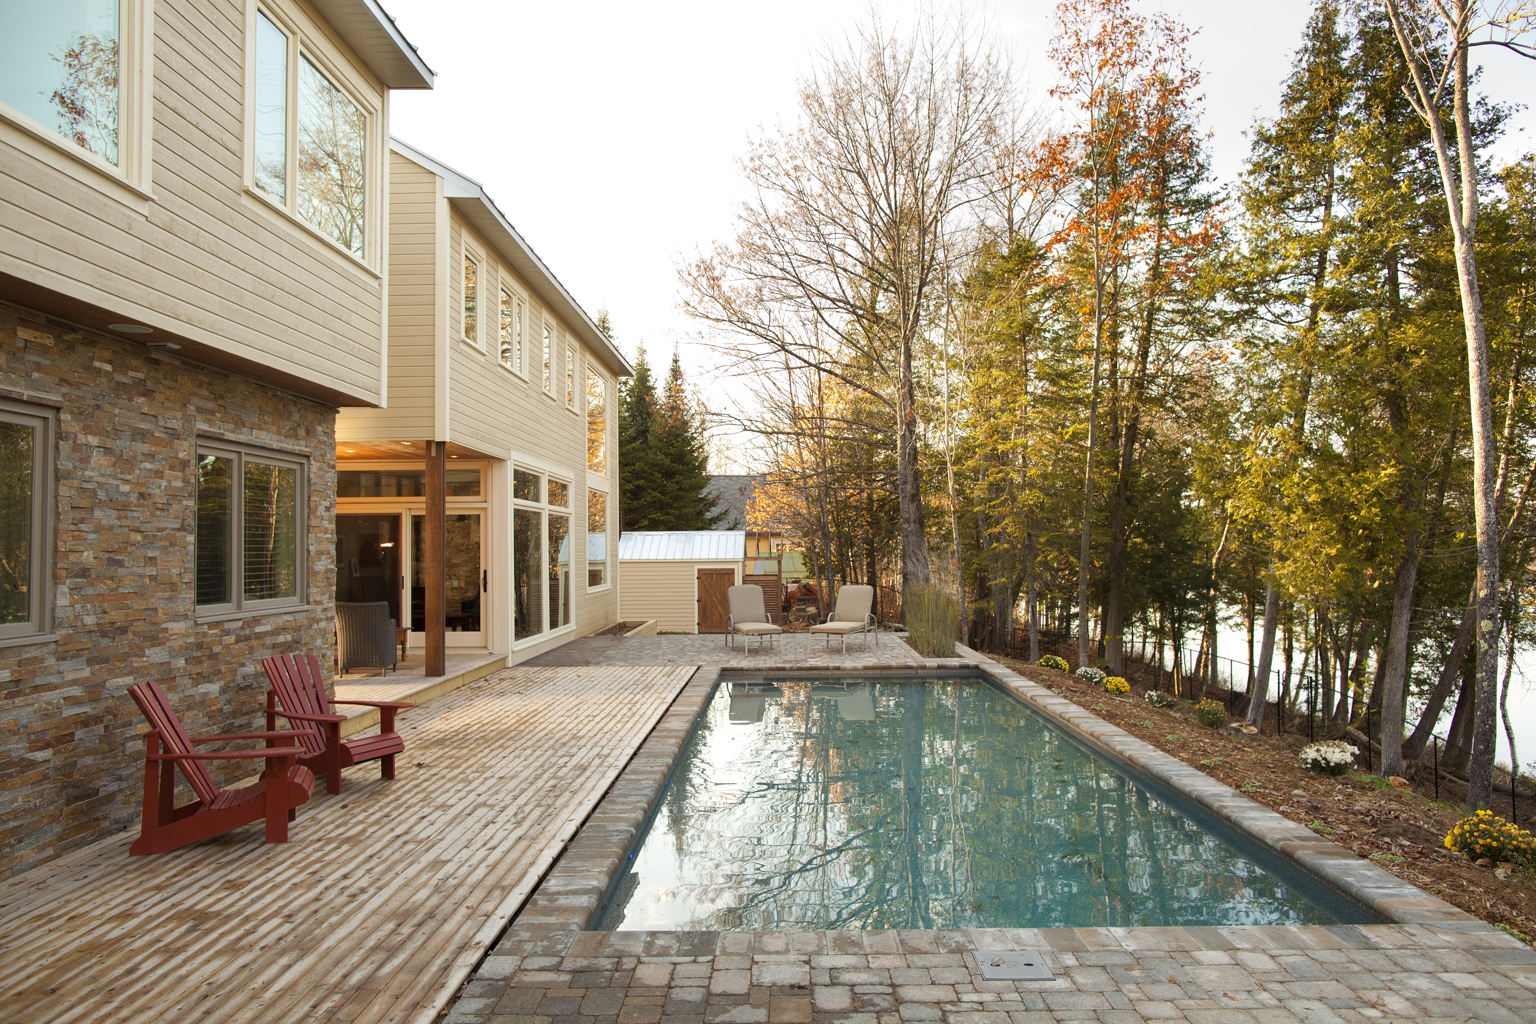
<point x="663" y="467"/>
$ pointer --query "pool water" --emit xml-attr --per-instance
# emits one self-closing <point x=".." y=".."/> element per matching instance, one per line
<point x="900" y="803"/>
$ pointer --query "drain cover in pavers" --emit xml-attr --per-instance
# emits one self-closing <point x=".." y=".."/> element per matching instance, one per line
<point x="1013" y="965"/>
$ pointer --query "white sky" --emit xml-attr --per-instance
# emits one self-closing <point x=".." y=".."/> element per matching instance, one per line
<point x="608" y="132"/>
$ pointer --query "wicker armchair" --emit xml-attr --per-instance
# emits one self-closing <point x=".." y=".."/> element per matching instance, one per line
<point x="365" y="635"/>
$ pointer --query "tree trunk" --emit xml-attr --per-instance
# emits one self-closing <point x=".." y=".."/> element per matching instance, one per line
<point x="1394" y="682"/>
<point x="909" y="485"/>
<point x="1266" y="657"/>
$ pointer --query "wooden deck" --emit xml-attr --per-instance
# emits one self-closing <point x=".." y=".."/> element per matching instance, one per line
<point x="381" y="903"/>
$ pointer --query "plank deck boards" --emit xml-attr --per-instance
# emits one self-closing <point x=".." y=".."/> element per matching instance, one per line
<point x="381" y="902"/>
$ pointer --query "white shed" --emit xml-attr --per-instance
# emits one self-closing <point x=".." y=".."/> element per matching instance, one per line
<point x="679" y="577"/>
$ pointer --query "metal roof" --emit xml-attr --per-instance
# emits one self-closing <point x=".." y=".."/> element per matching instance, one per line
<point x="467" y="196"/>
<point x="683" y="545"/>
<point x="377" y="40"/>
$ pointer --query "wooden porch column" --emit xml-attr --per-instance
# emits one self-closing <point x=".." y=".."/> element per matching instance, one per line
<point x="434" y="562"/>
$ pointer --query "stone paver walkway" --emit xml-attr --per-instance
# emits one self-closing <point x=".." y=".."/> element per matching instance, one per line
<point x="798" y="650"/>
<point x="1336" y="975"/>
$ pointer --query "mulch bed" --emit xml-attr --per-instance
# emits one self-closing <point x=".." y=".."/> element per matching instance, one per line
<point x="1403" y="831"/>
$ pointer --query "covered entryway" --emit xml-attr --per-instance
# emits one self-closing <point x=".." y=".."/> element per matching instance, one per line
<point x="714" y="608"/>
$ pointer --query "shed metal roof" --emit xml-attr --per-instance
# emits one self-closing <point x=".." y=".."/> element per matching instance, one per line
<point x="683" y="545"/>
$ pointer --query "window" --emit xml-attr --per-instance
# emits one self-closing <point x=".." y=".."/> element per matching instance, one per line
<point x="309" y="132"/>
<point x="26" y="484"/>
<point x="597" y="538"/>
<point x="511" y="332"/>
<point x="470" y="324"/>
<point x="597" y="422"/>
<point x="61" y="66"/>
<point x="541" y="554"/>
<point x="570" y="376"/>
<point x="548" y="383"/>
<point x="250" y="530"/>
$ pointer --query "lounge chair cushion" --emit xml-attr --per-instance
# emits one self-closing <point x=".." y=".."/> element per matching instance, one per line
<point x="757" y="628"/>
<point x="838" y="627"/>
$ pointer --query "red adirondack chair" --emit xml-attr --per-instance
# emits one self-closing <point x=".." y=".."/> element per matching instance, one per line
<point x="298" y="694"/>
<point x="167" y="827"/>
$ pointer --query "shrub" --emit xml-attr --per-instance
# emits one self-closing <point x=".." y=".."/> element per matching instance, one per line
<point x="1330" y="757"/>
<point x="1051" y="661"/>
<point x="1212" y="713"/>
<point x="1090" y="675"/>
<point x="1114" y="684"/>
<point x="1485" y="834"/>
<point x="933" y="619"/>
<point x="1159" y="699"/>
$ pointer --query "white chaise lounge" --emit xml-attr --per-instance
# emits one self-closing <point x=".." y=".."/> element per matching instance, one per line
<point x="853" y="614"/>
<point x="749" y="617"/>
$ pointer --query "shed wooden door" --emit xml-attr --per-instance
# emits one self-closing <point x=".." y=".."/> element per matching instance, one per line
<point x="714" y="608"/>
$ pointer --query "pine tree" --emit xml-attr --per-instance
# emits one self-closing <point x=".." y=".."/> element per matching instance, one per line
<point x="637" y="413"/>
<point x="663" y="467"/>
<point x="677" y="446"/>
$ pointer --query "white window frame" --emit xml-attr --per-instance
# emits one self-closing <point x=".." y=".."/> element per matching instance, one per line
<point x="135" y="122"/>
<point x="467" y="254"/>
<point x="544" y="508"/>
<point x="608" y="532"/>
<point x="301" y="47"/>
<point x="548" y="341"/>
<point x="519" y="314"/>
<point x="39" y="622"/>
<point x="238" y="606"/>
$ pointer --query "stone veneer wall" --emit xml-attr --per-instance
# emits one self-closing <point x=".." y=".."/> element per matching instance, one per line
<point x="71" y="762"/>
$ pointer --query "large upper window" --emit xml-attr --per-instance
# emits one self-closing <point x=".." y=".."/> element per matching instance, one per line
<point x="311" y="134"/>
<point x="471" y="325"/>
<point x="549" y="355"/>
<point x="61" y="66"/>
<point x="250" y="530"/>
<point x="511" y="332"/>
<point x="597" y="538"/>
<point x="597" y="422"/>
<point x="570" y="376"/>
<point x="26" y="478"/>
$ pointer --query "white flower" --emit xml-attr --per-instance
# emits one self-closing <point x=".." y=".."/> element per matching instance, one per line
<point x="1090" y="674"/>
<point x="1159" y="699"/>
<point x="1328" y="755"/>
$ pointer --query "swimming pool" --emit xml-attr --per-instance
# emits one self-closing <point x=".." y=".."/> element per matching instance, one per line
<point x="885" y="802"/>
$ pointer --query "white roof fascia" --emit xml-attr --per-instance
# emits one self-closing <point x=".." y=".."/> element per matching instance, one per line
<point x="373" y="35"/>
<point x="468" y="197"/>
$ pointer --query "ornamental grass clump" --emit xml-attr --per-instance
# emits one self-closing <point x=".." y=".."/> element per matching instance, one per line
<point x="1485" y="834"/>
<point x="1212" y="713"/>
<point x="933" y="619"/>
<point x="1159" y="699"/>
<point x="1051" y="661"/>
<point x="1330" y="757"/>
<point x="1090" y="675"/>
<point x="1114" y="684"/>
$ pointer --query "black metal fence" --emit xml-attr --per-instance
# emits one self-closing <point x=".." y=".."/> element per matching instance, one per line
<point x="1177" y="667"/>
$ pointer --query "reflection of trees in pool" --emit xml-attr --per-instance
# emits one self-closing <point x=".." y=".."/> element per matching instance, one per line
<point x="948" y="808"/>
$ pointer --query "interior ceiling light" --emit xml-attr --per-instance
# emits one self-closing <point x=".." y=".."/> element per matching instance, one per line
<point x="130" y="328"/>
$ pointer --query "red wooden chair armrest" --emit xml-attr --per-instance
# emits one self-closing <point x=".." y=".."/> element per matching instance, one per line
<point x="274" y="735"/>
<point x="229" y="755"/>
<point x="295" y="716"/>
<point x="376" y="703"/>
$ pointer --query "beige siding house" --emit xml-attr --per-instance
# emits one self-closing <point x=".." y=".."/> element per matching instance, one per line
<point x="500" y="382"/>
<point x="193" y="250"/>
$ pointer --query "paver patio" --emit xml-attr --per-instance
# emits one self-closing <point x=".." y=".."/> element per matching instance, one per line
<point x="382" y="902"/>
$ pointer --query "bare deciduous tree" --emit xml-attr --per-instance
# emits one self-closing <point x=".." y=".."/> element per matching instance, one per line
<point x="848" y="237"/>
